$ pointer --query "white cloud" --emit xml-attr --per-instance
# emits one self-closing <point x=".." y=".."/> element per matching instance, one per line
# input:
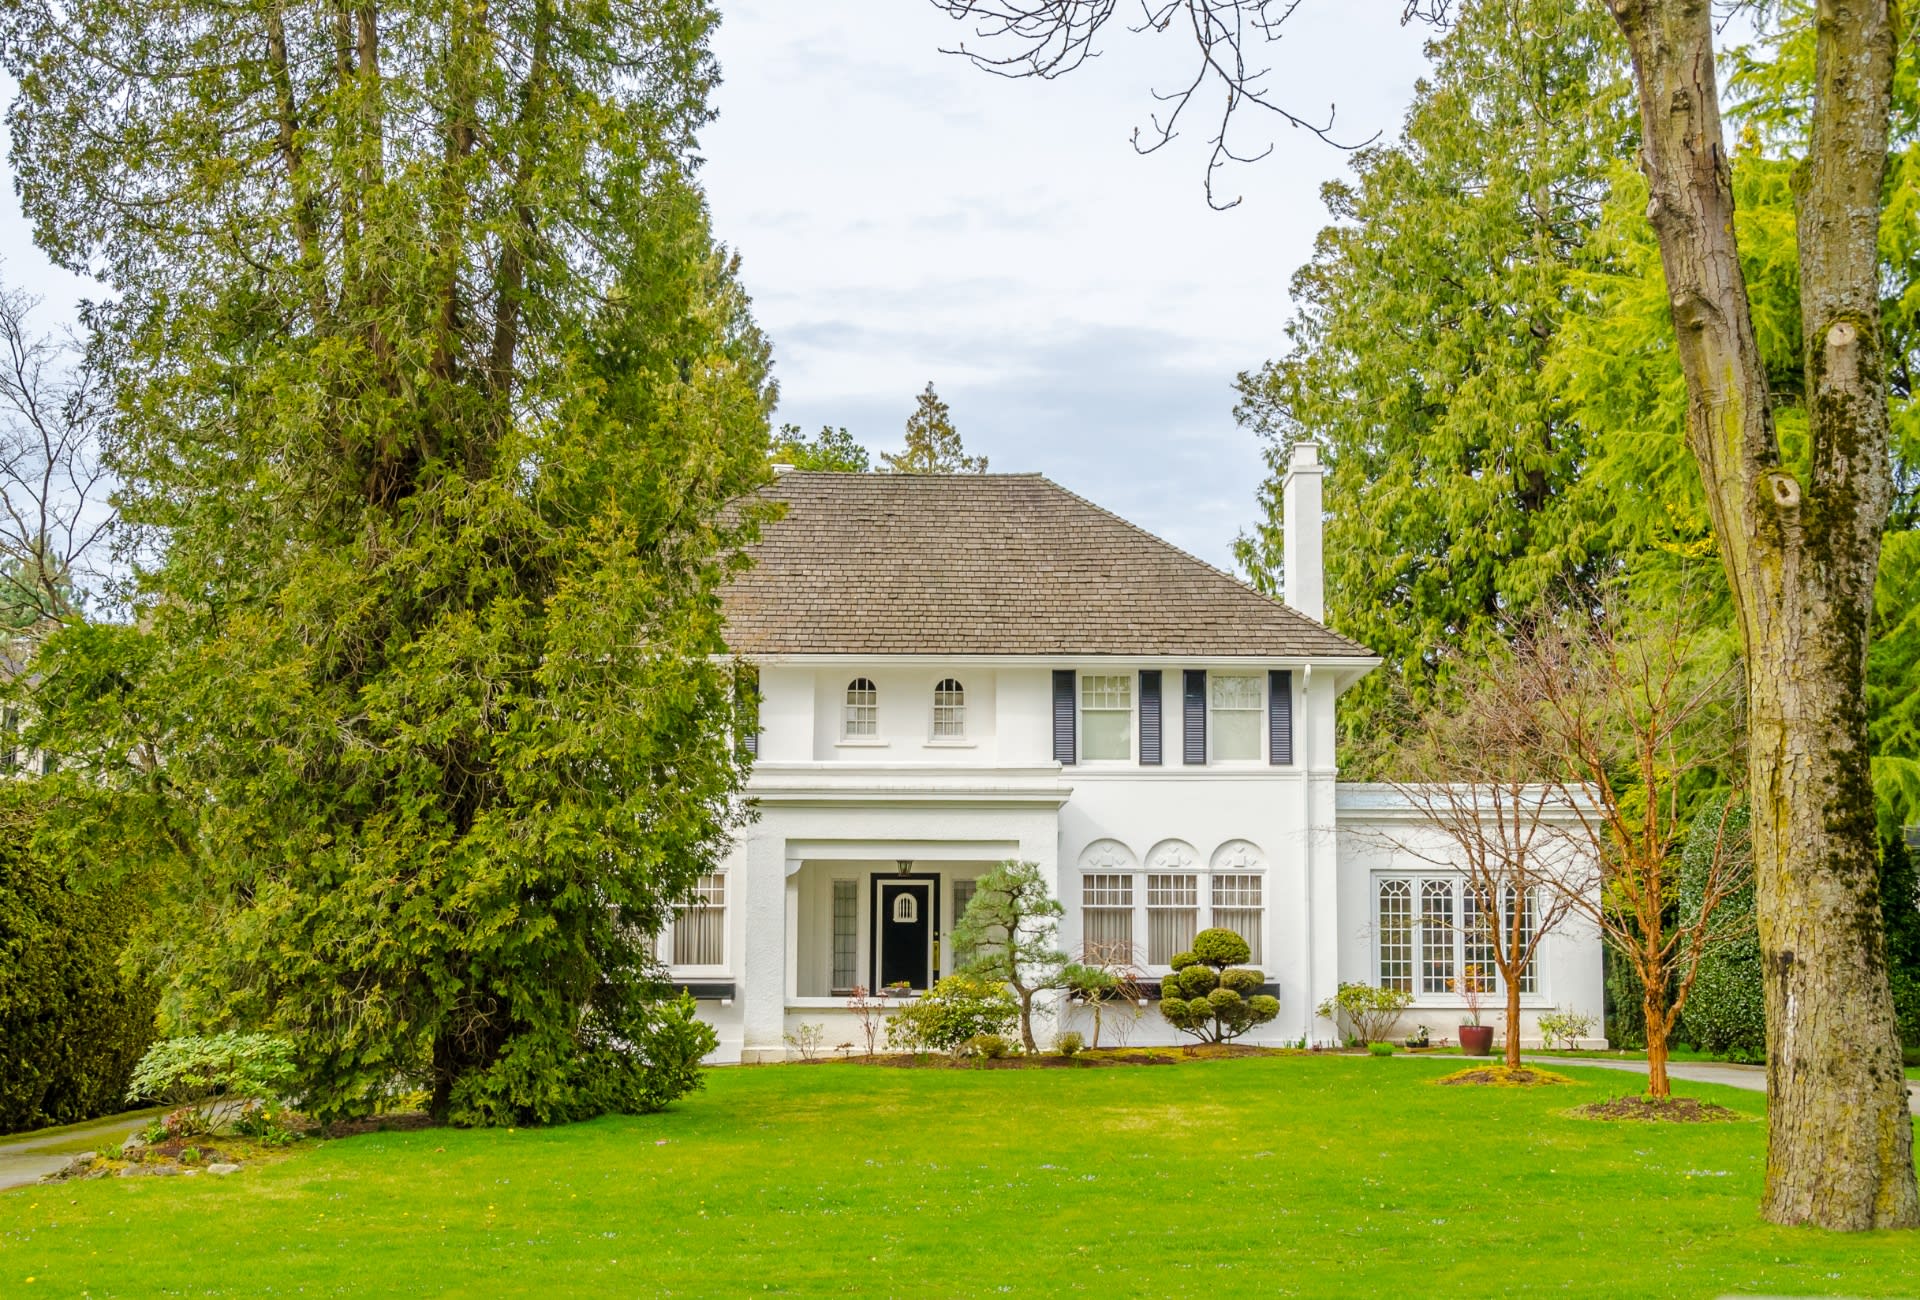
<point x="905" y="217"/>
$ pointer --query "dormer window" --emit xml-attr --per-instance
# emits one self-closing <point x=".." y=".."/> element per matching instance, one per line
<point x="950" y="710"/>
<point x="862" y="719"/>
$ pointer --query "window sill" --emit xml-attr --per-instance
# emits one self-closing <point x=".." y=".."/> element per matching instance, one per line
<point x="952" y="744"/>
<point x="858" y="743"/>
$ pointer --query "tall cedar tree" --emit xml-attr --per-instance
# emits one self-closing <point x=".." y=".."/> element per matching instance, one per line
<point x="1798" y="535"/>
<point x="1417" y="353"/>
<point x="933" y="444"/>
<point x="430" y="388"/>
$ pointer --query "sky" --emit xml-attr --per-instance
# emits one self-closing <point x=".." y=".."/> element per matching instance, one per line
<point x="904" y="217"/>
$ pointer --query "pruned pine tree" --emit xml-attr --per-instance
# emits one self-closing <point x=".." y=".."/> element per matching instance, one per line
<point x="1010" y="928"/>
<point x="430" y="386"/>
<point x="933" y="444"/>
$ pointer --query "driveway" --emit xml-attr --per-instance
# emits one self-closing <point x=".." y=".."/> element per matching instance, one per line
<point x="1751" y="1078"/>
<point x="29" y="1157"/>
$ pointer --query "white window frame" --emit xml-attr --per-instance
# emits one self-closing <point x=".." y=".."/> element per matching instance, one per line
<point x="950" y="713"/>
<point x="702" y="892"/>
<point x="1196" y="880"/>
<point x="1239" y="880"/>
<point x="1131" y="685"/>
<point x="1111" y="886"/>
<point x="1259" y="711"/>
<point x="864" y="712"/>
<point x="1533" y="986"/>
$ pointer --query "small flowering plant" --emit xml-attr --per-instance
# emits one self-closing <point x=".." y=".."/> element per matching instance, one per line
<point x="1470" y="983"/>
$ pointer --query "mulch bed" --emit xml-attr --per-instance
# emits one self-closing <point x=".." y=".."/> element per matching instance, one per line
<point x="1499" y="1076"/>
<point x="1657" y="1110"/>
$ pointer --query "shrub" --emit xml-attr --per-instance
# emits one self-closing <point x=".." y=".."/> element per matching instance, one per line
<point x="1380" y="1049"/>
<point x="806" y="1040"/>
<point x="956" y="1009"/>
<point x="1370" y="1011"/>
<point x="72" y="1022"/>
<point x="1565" y="1027"/>
<point x="1206" y="995"/>
<point x="198" y="1074"/>
<point x="1726" y="1010"/>
<point x="1070" y="1044"/>
<point x="989" y="1046"/>
<point x="265" y="1124"/>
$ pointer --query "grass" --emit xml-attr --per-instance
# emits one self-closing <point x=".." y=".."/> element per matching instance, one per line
<point x="1270" y="1176"/>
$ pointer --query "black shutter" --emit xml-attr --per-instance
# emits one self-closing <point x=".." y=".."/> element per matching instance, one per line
<point x="1065" y="750"/>
<point x="1194" y="699"/>
<point x="1280" y="719"/>
<point x="1150" y="717"/>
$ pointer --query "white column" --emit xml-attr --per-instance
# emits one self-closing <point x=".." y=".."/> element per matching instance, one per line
<point x="1319" y="810"/>
<point x="763" y="969"/>
<point x="1300" y="532"/>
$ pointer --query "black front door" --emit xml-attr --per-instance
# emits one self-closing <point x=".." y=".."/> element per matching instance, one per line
<point x="905" y="922"/>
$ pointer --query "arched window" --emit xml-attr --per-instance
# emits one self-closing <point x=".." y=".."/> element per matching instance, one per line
<point x="1436" y="936"/>
<point x="950" y="710"/>
<point x="863" y="708"/>
<point x="1395" y="935"/>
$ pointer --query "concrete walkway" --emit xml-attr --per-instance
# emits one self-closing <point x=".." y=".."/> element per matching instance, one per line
<point x="1750" y="1078"/>
<point x="29" y="1157"/>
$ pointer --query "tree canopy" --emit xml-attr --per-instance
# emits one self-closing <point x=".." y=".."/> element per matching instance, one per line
<point x="933" y="444"/>
<point x="830" y="449"/>
<point x="429" y="388"/>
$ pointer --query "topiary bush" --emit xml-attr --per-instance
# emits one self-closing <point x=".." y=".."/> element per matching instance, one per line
<point x="1209" y="996"/>
<point x="1726" y="1011"/>
<point x="72" y="1021"/>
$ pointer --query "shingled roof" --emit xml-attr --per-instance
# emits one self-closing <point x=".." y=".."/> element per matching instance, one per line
<point x="989" y="564"/>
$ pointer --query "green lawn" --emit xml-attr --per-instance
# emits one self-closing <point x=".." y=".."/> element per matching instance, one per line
<point x="1273" y="1176"/>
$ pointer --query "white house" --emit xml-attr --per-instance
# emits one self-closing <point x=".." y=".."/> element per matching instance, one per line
<point x="957" y="670"/>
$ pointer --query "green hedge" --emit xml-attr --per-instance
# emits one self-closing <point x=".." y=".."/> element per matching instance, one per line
<point x="1726" y="1012"/>
<point x="72" y="1026"/>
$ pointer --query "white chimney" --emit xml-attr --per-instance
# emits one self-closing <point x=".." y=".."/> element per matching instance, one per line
<point x="1300" y="532"/>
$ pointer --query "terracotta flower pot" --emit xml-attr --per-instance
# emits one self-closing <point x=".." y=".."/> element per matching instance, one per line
<point x="1476" y="1040"/>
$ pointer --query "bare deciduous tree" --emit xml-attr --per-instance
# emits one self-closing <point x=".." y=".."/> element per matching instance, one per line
<point x="1508" y="837"/>
<point x="1800" y="546"/>
<point x="54" y="521"/>
<point x="1632" y="727"/>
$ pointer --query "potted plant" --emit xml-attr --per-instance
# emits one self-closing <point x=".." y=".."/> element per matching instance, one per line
<point x="1476" y="1039"/>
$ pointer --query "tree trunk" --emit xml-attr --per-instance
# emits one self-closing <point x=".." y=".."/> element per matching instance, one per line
<point x="1659" y="1025"/>
<point x="1513" y="1024"/>
<point x="1800" y="560"/>
<point x="1026" y="1022"/>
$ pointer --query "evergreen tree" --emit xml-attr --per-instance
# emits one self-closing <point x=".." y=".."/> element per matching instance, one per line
<point x="431" y="389"/>
<point x="1418" y="350"/>
<point x="933" y="444"/>
<point x="830" y="449"/>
